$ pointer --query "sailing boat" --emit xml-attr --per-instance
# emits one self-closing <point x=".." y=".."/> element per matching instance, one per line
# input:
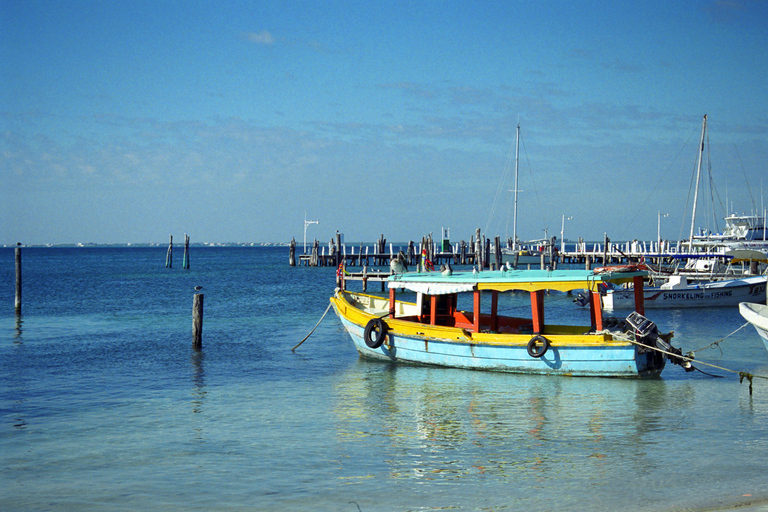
<point x="531" y="252"/>
<point x="684" y="288"/>
<point x="746" y="231"/>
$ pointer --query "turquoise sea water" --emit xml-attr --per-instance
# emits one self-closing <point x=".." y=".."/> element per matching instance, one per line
<point x="105" y="405"/>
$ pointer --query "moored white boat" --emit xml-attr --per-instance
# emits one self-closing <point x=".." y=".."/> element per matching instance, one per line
<point x="757" y="315"/>
<point x="434" y="331"/>
<point x="741" y="232"/>
<point x="530" y="254"/>
<point x="678" y="292"/>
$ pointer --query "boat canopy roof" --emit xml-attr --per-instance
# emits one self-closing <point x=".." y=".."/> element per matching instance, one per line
<point x="434" y="283"/>
<point x="740" y="255"/>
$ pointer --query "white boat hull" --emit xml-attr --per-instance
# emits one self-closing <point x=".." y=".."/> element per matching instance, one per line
<point x="728" y="292"/>
<point x="757" y="315"/>
<point x="523" y="259"/>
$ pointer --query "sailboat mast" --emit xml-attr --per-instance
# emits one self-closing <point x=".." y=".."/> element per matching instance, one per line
<point x="698" y="176"/>
<point x="517" y="161"/>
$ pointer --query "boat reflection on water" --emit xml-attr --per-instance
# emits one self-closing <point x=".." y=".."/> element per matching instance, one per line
<point x="437" y="423"/>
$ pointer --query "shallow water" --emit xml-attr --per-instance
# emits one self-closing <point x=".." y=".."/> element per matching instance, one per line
<point x="106" y="406"/>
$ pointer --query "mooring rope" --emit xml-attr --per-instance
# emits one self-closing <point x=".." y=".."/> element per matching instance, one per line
<point x="717" y="343"/>
<point x="313" y="329"/>
<point x="742" y="374"/>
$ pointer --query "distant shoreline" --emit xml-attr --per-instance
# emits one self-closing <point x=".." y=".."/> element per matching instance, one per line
<point x="153" y="244"/>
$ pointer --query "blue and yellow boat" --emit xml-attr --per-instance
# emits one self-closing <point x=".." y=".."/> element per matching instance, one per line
<point x="434" y="330"/>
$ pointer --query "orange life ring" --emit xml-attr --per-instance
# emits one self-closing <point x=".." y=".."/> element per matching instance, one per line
<point x="618" y="268"/>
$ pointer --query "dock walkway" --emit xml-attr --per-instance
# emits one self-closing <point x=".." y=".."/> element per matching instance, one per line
<point x="486" y="253"/>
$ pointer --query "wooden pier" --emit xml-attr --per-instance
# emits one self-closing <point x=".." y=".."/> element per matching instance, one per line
<point x="481" y="252"/>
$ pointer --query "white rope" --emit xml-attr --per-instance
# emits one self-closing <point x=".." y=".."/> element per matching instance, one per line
<point x="313" y="330"/>
<point x="742" y="374"/>
<point x="717" y="343"/>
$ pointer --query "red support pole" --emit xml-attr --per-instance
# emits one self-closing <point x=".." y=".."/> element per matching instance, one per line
<point x="537" y="310"/>
<point x="596" y="310"/>
<point x="432" y="309"/>
<point x="476" y="310"/>
<point x="639" y="297"/>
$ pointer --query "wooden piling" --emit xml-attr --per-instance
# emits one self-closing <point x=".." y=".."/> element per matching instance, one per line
<point x="380" y="246"/>
<point x="18" y="278"/>
<point x="292" y="253"/>
<point x="339" y="255"/>
<point x="197" y="321"/>
<point x="478" y="250"/>
<point x="169" y="255"/>
<point x="185" y="261"/>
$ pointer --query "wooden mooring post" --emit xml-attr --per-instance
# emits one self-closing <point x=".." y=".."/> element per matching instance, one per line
<point x="197" y="321"/>
<point x="18" y="278"/>
<point x="169" y="254"/>
<point x="185" y="261"/>
<point x="315" y="254"/>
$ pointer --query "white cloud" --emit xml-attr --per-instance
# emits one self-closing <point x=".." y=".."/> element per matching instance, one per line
<point x="263" y="37"/>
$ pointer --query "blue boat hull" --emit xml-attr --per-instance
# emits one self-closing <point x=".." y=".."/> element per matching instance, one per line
<point x="608" y="361"/>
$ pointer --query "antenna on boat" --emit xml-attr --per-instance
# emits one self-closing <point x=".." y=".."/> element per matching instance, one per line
<point x="307" y="223"/>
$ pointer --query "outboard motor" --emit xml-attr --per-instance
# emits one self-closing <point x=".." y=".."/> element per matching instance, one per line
<point x="647" y="334"/>
<point x="581" y="299"/>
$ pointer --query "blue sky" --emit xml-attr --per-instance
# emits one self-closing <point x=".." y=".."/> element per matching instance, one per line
<point x="130" y="121"/>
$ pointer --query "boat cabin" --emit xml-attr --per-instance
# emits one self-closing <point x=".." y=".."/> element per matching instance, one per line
<point x="437" y="296"/>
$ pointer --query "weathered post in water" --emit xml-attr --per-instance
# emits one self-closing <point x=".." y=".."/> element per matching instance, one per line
<point x="197" y="321"/>
<point x="315" y="254"/>
<point x="169" y="255"/>
<point x="18" y="278"/>
<point x="292" y="253"/>
<point x="185" y="261"/>
<point x="339" y="254"/>
<point x="478" y="250"/>
<point x="487" y="252"/>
